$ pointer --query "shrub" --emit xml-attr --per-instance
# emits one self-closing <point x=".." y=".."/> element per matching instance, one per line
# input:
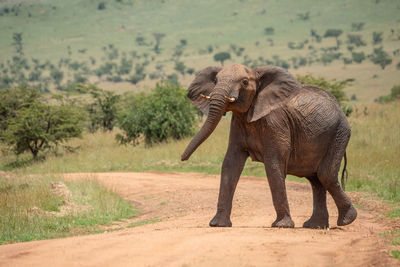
<point x="304" y="16"/>
<point x="334" y="87"/>
<point x="56" y="75"/>
<point x="180" y="67"/>
<point x="101" y="6"/>
<point x="165" y="113"/>
<point x="356" y="27"/>
<point x="394" y="94"/>
<point x="103" y="111"/>
<point x="135" y="78"/>
<point x="37" y="126"/>
<point x="355" y="39"/>
<point x="358" y="57"/>
<point x="269" y="31"/>
<point x="380" y="57"/>
<point x="377" y="38"/>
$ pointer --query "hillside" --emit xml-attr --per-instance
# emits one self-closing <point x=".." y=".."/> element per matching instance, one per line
<point x="109" y="42"/>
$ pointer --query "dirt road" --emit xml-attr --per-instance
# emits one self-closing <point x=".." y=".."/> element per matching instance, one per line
<point x="185" y="203"/>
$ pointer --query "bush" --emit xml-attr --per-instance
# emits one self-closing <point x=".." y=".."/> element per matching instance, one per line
<point x="103" y="111"/>
<point x="165" y="113"/>
<point x="356" y="27"/>
<point x="269" y="31"/>
<point x="394" y="94"/>
<point x="355" y="39"/>
<point x="358" y="57"/>
<point x="381" y="57"/>
<point x="101" y="6"/>
<point x="334" y="87"/>
<point x="37" y="126"/>
<point x="135" y="78"/>
<point x="377" y="38"/>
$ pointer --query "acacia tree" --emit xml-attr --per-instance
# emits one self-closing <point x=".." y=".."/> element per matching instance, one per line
<point x="380" y="57"/>
<point x="334" y="33"/>
<point x="37" y="126"/>
<point x="222" y="56"/>
<point x="13" y="99"/>
<point x="158" y="36"/>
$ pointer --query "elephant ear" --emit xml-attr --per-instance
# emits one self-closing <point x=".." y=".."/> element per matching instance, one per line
<point x="203" y="84"/>
<point x="274" y="87"/>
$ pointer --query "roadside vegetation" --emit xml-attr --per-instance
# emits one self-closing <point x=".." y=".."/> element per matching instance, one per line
<point x="31" y="208"/>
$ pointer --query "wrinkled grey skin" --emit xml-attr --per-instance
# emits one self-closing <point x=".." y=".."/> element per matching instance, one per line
<point x="291" y="128"/>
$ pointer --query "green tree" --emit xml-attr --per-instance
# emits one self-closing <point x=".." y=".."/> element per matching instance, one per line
<point x="355" y="39"/>
<point x="222" y="56"/>
<point x="334" y="33"/>
<point x="17" y="37"/>
<point x="39" y="126"/>
<point x="357" y="26"/>
<point x="269" y="31"/>
<point x="334" y="87"/>
<point x="165" y="113"/>
<point x="380" y="57"/>
<point x="158" y="36"/>
<point x="358" y="57"/>
<point x="394" y="94"/>
<point x="377" y="38"/>
<point x="103" y="111"/>
<point x="57" y="75"/>
<point x="101" y="6"/>
<point x="13" y="99"/>
<point x="180" y="67"/>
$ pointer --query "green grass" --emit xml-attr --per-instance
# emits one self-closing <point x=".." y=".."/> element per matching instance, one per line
<point x="19" y="194"/>
<point x="374" y="151"/>
<point x="149" y="221"/>
<point x="373" y="154"/>
<point x="396" y="254"/>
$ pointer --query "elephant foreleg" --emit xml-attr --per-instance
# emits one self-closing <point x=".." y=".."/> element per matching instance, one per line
<point x="275" y="168"/>
<point x="320" y="216"/>
<point x="232" y="167"/>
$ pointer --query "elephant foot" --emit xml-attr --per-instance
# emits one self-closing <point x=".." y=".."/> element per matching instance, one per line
<point x="346" y="216"/>
<point x="285" y="222"/>
<point x="317" y="222"/>
<point x="220" y="221"/>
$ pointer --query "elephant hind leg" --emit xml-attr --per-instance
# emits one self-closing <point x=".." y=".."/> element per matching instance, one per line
<point x="328" y="176"/>
<point x="320" y="216"/>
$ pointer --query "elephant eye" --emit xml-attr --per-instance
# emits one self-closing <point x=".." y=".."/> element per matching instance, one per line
<point x="215" y="81"/>
<point x="245" y="82"/>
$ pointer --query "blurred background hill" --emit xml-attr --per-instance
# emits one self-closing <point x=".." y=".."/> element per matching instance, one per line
<point x="129" y="45"/>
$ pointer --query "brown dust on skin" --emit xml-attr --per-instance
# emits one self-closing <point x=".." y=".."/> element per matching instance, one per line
<point x="185" y="202"/>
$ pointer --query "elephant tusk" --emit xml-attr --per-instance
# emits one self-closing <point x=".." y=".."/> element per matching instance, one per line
<point x="230" y="99"/>
<point x="205" y="97"/>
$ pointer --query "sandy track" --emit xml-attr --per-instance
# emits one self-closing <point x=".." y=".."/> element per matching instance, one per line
<point x="185" y="202"/>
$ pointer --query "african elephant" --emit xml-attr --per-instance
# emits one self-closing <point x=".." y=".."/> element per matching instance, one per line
<point x="291" y="128"/>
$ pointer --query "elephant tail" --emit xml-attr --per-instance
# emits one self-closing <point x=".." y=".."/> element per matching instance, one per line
<point x="344" y="173"/>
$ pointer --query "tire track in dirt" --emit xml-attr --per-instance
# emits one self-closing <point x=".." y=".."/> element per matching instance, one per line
<point x="185" y="202"/>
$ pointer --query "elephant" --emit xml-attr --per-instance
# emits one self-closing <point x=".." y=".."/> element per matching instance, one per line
<point x="290" y="127"/>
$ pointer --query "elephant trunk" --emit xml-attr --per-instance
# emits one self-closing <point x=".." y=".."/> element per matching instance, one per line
<point x="218" y="104"/>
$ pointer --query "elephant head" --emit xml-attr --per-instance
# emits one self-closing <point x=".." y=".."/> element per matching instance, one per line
<point x="237" y="88"/>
